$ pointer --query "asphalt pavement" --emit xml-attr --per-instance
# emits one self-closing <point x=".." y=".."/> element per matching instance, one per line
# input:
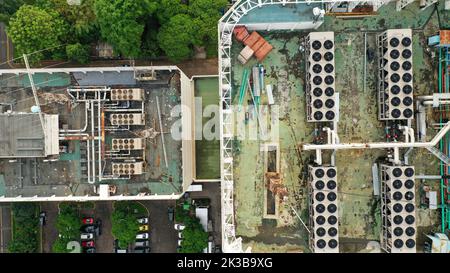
<point x="6" y="47"/>
<point x="5" y="227"/>
<point x="163" y="237"/>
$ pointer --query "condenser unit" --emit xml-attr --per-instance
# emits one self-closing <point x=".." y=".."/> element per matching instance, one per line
<point x="321" y="98"/>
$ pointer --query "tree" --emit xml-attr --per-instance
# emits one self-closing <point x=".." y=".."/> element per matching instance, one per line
<point x="122" y="23"/>
<point x="169" y="8"/>
<point x="78" y="53"/>
<point x="68" y="222"/>
<point x="207" y="14"/>
<point x="33" y="29"/>
<point x="124" y="224"/>
<point x="9" y="7"/>
<point x="81" y="18"/>
<point x="25" y="228"/>
<point x="195" y="239"/>
<point x="176" y="37"/>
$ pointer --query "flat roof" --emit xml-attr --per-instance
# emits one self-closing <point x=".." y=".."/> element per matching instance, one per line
<point x="22" y="135"/>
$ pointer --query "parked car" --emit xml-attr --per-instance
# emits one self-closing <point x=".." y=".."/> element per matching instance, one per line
<point x="143" y="228"/>
<point x="42" y="218"/>
<point x="88" y="229"/>
<point x="179" y="242"/>
<point x="87" y="236"/>
<point x="179" y="226"/>
<point x="142" y="250"/>
<point x="143" y="220"/>
<point x="170" y="213"/>
<point x="88" y="220"/>
<point x="141" y="243"/>
<point x="88" y="244"/>
<point x="89" y="250"/>
<point x="142" y="236"/>
<point x="180" y="235"/>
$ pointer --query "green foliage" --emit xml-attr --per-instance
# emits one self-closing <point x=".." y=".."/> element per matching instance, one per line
<point x="9" y="7"/>
<point x="122" y="23"/>
<point x="124" y="224"/>
<point x="184" y="26"/>
<point x="25" y="228"/>
<point x="169" y="8"/>
<point x="175" y="38"/>
<point x="195" y="239"/>
<point x="68" y="222"/>
<point x="33" y="29"/>
<point x="81" y="18"/>
<point x="60" y="245"/>
<point x="78" y="53"/>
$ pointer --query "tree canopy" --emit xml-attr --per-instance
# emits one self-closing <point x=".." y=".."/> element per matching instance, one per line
<point x="33" y="29"/>
<point x="124" y="224"/>
<point x="25" y="233"/>
<point x="81" y="18"/>
<point x="176" y="37"/>
<point x="195" y="239"/>
<point x="122" y="23"/>
<point x="78" y="53"/>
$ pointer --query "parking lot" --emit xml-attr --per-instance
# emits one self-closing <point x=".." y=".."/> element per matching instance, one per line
<point x="101" y="210"/>
<point x="163" y="237"/>
<point x="5" y="227"/>
<point x="211" y="191"/>
<point x="48" y="231"/>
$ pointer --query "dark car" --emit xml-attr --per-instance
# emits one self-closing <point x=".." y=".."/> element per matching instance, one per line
<point x="170" y="213"/>
<point x="88" y="229"/>
<point x="42" y="218"/>
<point x="142" y="250"/>
<point x="89" y="250"/>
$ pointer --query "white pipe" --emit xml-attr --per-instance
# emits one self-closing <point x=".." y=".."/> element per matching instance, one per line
<point x="432" y="102"/>
<point x="162" y="135"/>
<point x="405" y="132"/>
<point x="85" y="122"/>
<point x="397" y="155"/>
<point x="430" y="177"/>
<point x="93" y="142"/>
<point x="99" y="140"/>
<point x="88" y="152"/>
<point x="328" y="134"/>
<point x="379" y="145"/>
<point x="319" y="157"/>
<point x="122" y="110"/>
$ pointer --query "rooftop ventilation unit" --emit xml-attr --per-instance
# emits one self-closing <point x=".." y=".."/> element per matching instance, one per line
<point x="127" y="119"/>
<point x="127" y="169"/>
<point x="125" y="144"/>
<point x="321" y="98"/>
<point x="395" y="77"/>
<point x="127" y="94"/>
<point x="398" y="209"/>
<point x="323" y="209"/>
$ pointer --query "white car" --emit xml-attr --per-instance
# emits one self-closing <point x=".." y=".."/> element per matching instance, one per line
<point x="143" y="220"/>
<point x="179" y="242"/>
<point x="180" y="235"/>
<point x="87" y="236"/>
<point x="142" y="236"/>
<point x="179" y="226"/>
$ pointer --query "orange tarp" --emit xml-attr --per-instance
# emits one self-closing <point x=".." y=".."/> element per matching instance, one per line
<point x="263" y="51"/>
<point x="252" y="39"/>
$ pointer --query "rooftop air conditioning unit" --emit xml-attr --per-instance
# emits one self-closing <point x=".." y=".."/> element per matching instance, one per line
<point x="321" y="97"/>
<point x="323" y="209"/>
